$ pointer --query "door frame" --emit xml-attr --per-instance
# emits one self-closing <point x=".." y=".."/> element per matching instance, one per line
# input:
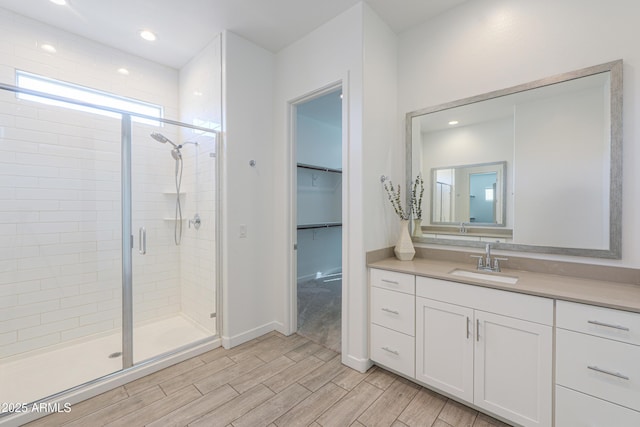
<point x="292" y="291"/>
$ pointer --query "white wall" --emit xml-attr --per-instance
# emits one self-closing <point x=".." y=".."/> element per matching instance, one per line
<point x="319" y="251"/>
<point x="383" y="145"/>
<point x="326" y="56"/>
<point x="249" y="283"/>
<point x="319" y="143"/>
<point x="359" y="50"/>
<point x="487" y="45"/>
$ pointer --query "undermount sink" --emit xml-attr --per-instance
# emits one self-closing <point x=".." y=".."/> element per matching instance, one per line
<point x="491" y="277"/>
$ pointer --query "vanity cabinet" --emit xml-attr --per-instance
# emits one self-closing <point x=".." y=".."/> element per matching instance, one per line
<point x="532" y="360"/>
<point x="487" y="347"/>
<point x="597" y="369"/>
<point x="490" y="348"/>
<point x="392" y="314"/>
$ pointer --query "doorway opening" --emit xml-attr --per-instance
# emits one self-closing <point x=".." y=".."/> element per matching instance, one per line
<point x="317" y="140"/>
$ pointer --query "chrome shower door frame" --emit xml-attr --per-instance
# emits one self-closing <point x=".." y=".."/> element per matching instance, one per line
<point x="127" y="234"/>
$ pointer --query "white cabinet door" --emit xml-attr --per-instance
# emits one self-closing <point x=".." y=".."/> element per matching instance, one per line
<point x="444" y="347"/>
<point x="513" y="368"/>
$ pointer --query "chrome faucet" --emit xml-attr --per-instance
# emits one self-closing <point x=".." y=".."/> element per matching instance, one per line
<point x="487" y="263"/>
<point x="487" y="254"/>
<point x="463" y="227"/>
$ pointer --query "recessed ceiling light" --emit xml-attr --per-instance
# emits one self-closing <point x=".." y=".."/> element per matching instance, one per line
<point x="59" y="2"/>
<point x="147" y="35"/>
<point x="48" y="48"/>
<point x="123" y="71"/>
<point x="197" y="93"/>
<point x="453" y="122"/>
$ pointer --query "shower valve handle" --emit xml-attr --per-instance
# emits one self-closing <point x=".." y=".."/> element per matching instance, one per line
<point x="196" y="221"/>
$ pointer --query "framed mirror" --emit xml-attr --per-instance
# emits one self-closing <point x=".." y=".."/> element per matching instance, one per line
<point x="535" y="167"/>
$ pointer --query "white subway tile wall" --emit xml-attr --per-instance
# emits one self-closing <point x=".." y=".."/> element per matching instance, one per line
<point x="60" y="220"/>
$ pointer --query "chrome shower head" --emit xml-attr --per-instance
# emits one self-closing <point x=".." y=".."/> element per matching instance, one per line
<point x="163" y="139"/>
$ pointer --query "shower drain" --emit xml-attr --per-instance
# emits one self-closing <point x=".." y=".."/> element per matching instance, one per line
<point x="114" y="355"/>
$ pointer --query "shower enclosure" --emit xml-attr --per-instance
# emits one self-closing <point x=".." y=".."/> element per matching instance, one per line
<point x="108" y="248"/>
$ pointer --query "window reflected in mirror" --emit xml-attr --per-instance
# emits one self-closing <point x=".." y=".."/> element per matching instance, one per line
<point x="472" y="194"/>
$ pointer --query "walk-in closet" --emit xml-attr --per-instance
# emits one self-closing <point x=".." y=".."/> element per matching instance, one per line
<point x="319" y="218"/>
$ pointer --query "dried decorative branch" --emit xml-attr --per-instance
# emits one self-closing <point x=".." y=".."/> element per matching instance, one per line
<point x="396" y="201"/>
<point x="416" y="195"/>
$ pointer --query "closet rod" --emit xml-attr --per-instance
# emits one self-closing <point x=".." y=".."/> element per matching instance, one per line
<point x="318" y="168"/>
<point x="327" y="225"/>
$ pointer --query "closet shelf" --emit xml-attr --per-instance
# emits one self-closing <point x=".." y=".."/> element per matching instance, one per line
<point x="321" y="225"/>
<point x="319" y="168"/>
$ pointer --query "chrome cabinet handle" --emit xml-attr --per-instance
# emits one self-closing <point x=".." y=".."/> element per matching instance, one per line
<point x="477" y="329"/>
<point x="608" y="325"/>
<point x="393" y="282"/>
<point x="606" y="371"/>
<point x="388" y="310"/>
<point x="468" y="329"/>
<point x="391" y="351"/>
<point x="142" y="241"/>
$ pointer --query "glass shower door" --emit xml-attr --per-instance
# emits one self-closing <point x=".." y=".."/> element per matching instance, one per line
<point x="173" y="259"/>
<point x="107" y="244"/>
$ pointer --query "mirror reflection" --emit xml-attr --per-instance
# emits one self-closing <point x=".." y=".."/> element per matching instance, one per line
<point x="537" y="165"/>
<point x="471" y="194"/>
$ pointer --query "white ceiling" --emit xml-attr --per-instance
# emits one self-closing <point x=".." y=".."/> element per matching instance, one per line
<point x="184" y="27"/>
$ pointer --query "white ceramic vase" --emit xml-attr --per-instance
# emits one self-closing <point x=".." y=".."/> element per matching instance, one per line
<point x="404" y="249"/>
<point x="417" y="227"/>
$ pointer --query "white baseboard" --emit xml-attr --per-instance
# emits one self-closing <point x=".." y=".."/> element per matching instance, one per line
<point x="279" y="327"/>
<point x="241" y="338"/>
<point x="360" y="365"/>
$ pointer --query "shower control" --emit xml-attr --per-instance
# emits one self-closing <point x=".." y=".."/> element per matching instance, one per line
<point x="196" y="222"/>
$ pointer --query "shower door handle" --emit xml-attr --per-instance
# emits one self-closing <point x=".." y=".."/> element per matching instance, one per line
<point x="142" y="241"/>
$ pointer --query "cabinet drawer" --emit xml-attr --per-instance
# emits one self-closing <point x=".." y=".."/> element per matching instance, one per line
<point x="575" y="409"/>
<point x="395" y="281"/>
<point x="600" y="367"/>
<point x="393" y="350"/>
<point x="393" y="310"/>
<point x="603" y="322"/>
<point x="520" y="306"/>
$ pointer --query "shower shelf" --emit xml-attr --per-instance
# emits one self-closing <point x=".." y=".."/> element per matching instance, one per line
<point x="173" y="193"/>
<point x="173" y="219"/>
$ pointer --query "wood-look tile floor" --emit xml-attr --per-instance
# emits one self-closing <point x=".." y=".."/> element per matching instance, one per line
<point x="272" y="381"/>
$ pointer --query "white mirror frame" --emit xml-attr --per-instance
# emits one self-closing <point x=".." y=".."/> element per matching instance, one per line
<point x="615" y="181"/>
